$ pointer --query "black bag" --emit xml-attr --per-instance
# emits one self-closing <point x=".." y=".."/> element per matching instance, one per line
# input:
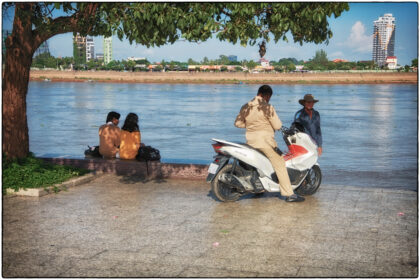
<point x="93" y="152"/>
<point x="148" y="153"/>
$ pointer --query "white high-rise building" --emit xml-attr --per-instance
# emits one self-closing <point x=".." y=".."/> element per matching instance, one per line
<point x="383" y="39"/>
<point x="107" y="50"/>
<point x="90" y="49"/>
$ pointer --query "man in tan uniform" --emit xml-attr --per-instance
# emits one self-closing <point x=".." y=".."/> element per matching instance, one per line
<point x="109" y="136"/>
<point x="261" y="120"/>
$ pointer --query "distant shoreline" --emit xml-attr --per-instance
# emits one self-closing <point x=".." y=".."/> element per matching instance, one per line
<point x="223" y="77"/>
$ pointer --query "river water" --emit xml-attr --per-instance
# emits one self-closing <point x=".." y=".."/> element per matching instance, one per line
<point x="369" y="131"/>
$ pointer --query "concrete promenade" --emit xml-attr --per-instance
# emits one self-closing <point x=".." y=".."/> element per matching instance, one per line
<point x="124" y="226"/>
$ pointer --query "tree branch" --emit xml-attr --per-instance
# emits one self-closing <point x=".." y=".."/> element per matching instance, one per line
<point x="65" y="24"/>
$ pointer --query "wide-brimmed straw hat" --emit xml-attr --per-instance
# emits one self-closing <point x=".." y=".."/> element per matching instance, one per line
<point x="307" y="97"/>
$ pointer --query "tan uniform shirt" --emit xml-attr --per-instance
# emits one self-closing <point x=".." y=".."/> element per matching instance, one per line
<point x="260" y="120"/>
<point x="109" y="140"/>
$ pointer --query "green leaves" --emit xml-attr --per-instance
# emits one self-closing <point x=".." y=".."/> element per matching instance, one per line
<point x="156" y="24"/>
<point x="31" y="172"/>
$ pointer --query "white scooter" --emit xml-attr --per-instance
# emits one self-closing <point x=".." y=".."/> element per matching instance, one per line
<point x="239" y="169"/>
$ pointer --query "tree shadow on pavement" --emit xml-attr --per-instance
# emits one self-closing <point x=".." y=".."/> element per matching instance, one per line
<point x="139" y="179"/>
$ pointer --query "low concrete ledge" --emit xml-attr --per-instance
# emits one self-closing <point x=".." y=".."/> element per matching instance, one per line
<point x="151" y="170"/>
<point x="37" y="192"/>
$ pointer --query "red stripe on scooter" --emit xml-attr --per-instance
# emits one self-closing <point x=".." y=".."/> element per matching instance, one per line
<point x="295" y="151"/>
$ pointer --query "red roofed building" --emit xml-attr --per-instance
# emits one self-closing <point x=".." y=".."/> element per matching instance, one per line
<point x="391" y="62"/>
<point x="337" y="60"/>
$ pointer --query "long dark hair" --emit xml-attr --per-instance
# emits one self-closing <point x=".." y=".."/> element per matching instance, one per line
<point x="131" y="123"/>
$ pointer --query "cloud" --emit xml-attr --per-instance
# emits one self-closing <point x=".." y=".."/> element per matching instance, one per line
<point x="358" y="41"/>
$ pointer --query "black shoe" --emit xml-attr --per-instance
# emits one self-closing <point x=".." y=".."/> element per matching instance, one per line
<point x="295" y="198"/>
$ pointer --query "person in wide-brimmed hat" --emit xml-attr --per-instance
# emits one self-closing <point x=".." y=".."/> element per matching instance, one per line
<point x="310" y="119"/>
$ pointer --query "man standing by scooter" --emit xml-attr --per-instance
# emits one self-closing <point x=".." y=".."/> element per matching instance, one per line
<point x="261" y="120"/>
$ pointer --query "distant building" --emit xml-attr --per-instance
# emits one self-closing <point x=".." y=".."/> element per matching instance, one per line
<point x="233" y="58"/>
<point x="108" y="50"/>
<point x="383" y="39"/>
<point x="264" y="62"/>
<point x="100" y="56"/>
<point x="391" y="62"/>
<point x="337" y="60"/>
<point x="79" y="49"/>
<point x="132" y="58"/>
<point x="90" y="49"/>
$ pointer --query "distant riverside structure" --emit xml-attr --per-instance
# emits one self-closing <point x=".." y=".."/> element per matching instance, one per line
<point x="43" y="49"/>
<point x="132" y="58"/>
<point x="99" y="56"/>
<point x="79" y="49"/>
<point x="338" y="60"/>
<point x="233" y="58"/>
<point x="90" y="49"/>
<point x="107" y="50"/>
<point x="383" y="39"/>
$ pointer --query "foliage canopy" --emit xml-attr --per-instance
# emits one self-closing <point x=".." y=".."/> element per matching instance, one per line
<point x="155" y="24"/>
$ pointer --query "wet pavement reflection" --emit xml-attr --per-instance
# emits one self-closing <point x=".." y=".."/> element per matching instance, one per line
<point x="119" y="226"/>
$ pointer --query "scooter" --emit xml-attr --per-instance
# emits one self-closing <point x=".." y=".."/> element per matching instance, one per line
<point x="239" y="169"/>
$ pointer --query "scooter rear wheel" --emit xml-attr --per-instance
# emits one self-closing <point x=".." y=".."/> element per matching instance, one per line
<point x="223" y="191"/>
<point x="311" y="183"/>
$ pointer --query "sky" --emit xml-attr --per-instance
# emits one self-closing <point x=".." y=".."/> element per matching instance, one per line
<point x="352" y="40"/>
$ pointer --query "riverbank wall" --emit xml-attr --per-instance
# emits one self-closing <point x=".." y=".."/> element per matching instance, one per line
<point x="149" y="170"/>
<point x="226" y="77"/>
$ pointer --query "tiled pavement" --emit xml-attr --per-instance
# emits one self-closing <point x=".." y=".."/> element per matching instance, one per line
<point x="119" y="226"/>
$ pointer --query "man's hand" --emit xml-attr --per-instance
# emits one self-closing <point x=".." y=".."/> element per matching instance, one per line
<point x="319" y="151"/>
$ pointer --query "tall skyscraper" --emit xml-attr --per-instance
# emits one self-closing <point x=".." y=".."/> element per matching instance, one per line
<point x="79" y="49"/>
<point x="107" y="50"/>
<point x="90" y="48"/>
<point x="43" y="49"/>
<point x="383" y="39"/>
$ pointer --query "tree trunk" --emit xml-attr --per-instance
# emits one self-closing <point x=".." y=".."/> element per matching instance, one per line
<point x="19" y="51"/>
<point x="15" y="87"/>
<point x="20" y="47"/>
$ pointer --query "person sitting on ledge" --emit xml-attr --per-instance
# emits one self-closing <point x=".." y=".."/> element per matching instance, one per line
<point x="130" y="137"/>
<point x="109" y="136"/>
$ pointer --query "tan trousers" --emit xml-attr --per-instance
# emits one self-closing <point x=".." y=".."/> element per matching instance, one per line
<point x="279" y="166"/>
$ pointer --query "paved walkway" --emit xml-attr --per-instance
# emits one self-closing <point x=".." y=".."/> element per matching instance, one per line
<point x="119" y="226"/>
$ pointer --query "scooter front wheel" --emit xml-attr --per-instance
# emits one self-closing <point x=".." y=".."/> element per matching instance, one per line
<point x="311" y="182"/>
<point x="223" y="191"/>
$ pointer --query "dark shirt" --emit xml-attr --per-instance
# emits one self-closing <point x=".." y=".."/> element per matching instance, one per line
<point x="312" y="125"/>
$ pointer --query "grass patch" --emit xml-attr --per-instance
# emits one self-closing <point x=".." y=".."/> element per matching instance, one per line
<point x="30" y="172"/>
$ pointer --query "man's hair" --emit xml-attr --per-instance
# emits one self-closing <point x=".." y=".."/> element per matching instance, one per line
<point x="112" y="115"/>
<point x="265" y="90"/>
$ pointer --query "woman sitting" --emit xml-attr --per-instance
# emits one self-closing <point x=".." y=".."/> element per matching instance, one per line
<point x="130" y="137"/>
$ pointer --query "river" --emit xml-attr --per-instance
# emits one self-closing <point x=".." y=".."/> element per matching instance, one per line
<point x="369" y="131"/>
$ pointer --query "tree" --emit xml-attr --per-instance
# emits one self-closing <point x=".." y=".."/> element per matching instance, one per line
<point x="205" y="60"/>
<point x="414" y="62"/>
<point x="290" y="67"/>
<point x="148" y="24"/>
<point x="251" y="64"/>
<point x="192" y="62"/>
<point x="223" y="60"/>
<point x="320" y="58"/>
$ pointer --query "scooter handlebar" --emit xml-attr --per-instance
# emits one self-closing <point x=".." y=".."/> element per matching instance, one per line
<point x="285" y="130"/>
